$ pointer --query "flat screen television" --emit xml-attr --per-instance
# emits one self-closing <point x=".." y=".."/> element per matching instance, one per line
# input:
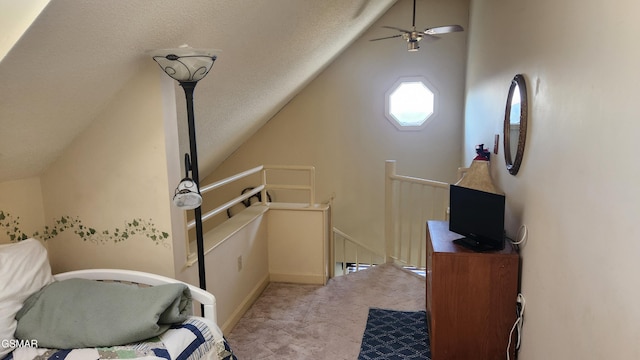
<point x="478" y="216"/>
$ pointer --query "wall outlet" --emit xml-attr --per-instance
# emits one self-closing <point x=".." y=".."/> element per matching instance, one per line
<point x="239" y="262"/>
<point x="520" y="305"/>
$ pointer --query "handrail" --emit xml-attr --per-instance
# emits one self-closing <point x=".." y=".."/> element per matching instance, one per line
<point x="310" y="187"/>
<point x="230" y="179"/>
<point x="346" y="238"/>
<point x="191" y="224"/>
<point x="415" y="180"/>
<point x="261" y="188"/>
<point x="352" y="240"/>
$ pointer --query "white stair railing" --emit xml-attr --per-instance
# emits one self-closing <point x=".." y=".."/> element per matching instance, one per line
<point x="262" y="188"/>
<point x="307" y="186"/>
<point x="409" y="203"/>
<point x="348" y="250"/>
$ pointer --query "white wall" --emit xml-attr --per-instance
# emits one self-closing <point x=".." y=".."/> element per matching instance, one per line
<point x="21" y="208"/>
<point x="113" y="173"/>
<point x="235" y="287"/>
<point x="337" y="122"/>
<point x="577" y="189"/>
<point x="298" y="244"/>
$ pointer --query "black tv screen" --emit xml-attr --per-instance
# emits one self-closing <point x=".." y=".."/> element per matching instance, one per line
<point x="478" y="216"/>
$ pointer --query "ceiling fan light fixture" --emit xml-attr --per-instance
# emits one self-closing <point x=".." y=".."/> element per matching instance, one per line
<point x="413" y="36"/>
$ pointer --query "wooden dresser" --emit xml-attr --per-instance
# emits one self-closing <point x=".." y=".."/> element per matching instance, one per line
<point x="471" y="297"/>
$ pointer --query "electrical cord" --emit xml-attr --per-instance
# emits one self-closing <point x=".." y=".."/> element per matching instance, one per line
<point x="522" y="236"/>
<point x="523" y="233"/>
<point x="517" y="325"/>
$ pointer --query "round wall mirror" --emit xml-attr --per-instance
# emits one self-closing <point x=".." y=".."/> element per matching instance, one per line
<point x="515" y="124"/>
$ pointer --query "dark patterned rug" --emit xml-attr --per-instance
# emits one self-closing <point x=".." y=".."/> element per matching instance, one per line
<point x="392" y="334"/>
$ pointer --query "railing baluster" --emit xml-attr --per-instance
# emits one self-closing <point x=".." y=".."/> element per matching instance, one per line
<point x="358" y="249"/>
<point x="411" y="216"/>
<point x="404" y="207"/>
<point x="421" y="222"/>
<point x="399" y="237"/>
<point x="421" y="207"/>
<point x="344" y="256"/>
<point x="396" y="219"/>
<point x="389" y="198"/>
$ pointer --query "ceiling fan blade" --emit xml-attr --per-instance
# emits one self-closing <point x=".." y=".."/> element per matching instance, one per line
<point x="427" y="37"/>
<point x="396" y="28"/>
<point x="443" y="29"/>
<point x="388" y="37"/>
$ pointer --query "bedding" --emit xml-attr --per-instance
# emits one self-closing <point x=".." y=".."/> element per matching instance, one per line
<point x="24" y="269"/>
<point x="195" y="338"/>
<point x="81" y="313"/>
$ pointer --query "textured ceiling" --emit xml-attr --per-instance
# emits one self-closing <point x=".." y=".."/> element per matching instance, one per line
<point x="78" y="54"/>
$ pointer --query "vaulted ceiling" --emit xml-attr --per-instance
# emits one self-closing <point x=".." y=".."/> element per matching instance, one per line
<point x="77" y="54"/>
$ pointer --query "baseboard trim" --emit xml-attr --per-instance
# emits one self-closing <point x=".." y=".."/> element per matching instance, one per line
<point x="298" y="279"/>
<point x="245" y="305"/>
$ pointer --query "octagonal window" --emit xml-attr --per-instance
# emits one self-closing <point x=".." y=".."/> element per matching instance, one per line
<point x="410" y="103"/>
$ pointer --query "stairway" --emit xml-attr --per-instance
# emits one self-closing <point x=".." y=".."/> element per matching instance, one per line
<point x="352" y="268"/>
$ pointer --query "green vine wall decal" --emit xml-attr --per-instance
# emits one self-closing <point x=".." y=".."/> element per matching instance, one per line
<point x="12" y="227"/>
<point x="131" y="228"/>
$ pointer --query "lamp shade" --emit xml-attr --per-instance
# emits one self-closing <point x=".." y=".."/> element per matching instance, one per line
<point x="187" y="196"/>
<point x="478" y="177"/>
<point x="185" y="64"/>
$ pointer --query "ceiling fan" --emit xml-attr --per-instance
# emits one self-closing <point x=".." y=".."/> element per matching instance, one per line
<point x="413" y="37"/>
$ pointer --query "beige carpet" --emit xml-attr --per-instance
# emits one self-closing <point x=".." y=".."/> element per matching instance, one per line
<point x="299" y="322"/>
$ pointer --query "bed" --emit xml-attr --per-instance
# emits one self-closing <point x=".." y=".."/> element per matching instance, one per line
<point x="25" y="287"/>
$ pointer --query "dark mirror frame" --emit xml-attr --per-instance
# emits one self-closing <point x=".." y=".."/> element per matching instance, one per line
<point x="513" y="165"/>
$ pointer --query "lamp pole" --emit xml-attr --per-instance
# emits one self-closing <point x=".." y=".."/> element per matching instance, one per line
<point x="189" y="87"/>
<point x="188" y="66"/>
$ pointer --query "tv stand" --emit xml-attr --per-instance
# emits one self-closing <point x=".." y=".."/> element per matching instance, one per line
<point x="471" y="297"/>
<point x="478" y="246"/>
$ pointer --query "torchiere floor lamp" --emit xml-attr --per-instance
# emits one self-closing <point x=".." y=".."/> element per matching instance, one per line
<point x="188" y="66"/>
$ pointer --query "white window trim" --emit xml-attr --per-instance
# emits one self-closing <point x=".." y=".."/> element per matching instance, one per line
<point x="430" y="118"/>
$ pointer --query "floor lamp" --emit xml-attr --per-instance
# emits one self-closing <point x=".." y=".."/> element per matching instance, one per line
<point x="188" y="66"/>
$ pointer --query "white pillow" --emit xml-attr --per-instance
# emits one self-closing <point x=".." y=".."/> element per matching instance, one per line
<point x="24" y="269"/>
